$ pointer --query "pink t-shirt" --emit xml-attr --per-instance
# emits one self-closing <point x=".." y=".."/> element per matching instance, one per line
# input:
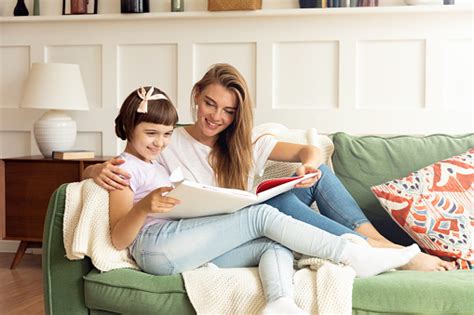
<point x="146" y="177"/>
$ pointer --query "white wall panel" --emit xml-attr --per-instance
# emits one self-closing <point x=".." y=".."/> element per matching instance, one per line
<point x="458" y="72"/>
<point x="306" y="75"/>
<point x="241" y="55"/>
<point x="14" y="144"/>
<point x="305" y="68"/>
<point x="89" y="141"/>
<point x="120" y="145"/>
<point x="14" y="67"/>
<point x="391" y="74"/>
<point x="145" y="65"/>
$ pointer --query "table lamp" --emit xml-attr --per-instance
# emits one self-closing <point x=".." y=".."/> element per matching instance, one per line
<point x="57" y="87"/>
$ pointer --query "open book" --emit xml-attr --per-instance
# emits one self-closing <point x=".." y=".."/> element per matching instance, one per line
<point x="199" y="200"/>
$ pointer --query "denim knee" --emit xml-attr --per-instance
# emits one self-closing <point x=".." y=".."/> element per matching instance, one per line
<point x="152" y="262"/>
<point x="324" y="169"/>
<point x="263" y="211"/>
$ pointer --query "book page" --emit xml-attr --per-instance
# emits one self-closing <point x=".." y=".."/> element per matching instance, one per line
<point x="199" y="200"/>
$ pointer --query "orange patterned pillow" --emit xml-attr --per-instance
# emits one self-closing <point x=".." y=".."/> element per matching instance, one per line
<point x="435" y="206"/>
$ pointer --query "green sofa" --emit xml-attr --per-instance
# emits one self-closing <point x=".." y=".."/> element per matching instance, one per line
<point x="76" y="287"/>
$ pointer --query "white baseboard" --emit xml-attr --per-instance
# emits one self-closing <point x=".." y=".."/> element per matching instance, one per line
<point x="12" y="246"/>
<point x="9" y="246"/>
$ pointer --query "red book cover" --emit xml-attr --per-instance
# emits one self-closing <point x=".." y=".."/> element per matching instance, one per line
<point x="270" y="183"/>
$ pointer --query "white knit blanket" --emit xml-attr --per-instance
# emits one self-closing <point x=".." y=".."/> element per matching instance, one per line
<point x="323" y="288"/>
<point x="86" y="229"/>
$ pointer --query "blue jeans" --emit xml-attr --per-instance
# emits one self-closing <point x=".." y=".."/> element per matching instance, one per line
<point x="248" y="237"/>
<point x="339" y="212"/>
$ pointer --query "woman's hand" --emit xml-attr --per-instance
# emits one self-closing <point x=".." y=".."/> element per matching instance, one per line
<point x="308" y="155"/>
<point x="157" y="202"/>
<point x="109" y="175"/>
<point x="306" y="169"/>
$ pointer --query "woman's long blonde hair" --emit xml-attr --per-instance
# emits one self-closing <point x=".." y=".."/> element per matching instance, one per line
<point x="231" y="157"/>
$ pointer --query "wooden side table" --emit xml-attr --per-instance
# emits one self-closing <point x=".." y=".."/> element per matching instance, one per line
<point x="26" y="184"/>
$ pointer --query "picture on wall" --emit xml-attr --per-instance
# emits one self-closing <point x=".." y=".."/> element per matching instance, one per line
<point x="73" y="7"/>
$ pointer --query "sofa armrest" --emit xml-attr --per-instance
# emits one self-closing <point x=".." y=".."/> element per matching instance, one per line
<point x="63" y="282"/>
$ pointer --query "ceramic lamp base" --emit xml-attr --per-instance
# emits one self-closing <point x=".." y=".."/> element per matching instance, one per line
<point x="54" y="131"/>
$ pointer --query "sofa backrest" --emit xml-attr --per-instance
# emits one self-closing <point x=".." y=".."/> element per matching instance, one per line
<point x="362" y="162"/>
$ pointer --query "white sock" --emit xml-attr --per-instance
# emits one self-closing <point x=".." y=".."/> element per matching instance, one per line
<point x="370" y="261"/>
<point x="210" y="265"/>
<point x="283" y="306"/>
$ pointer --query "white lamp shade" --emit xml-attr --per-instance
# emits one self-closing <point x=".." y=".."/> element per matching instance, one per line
<point x="55" y="86"/>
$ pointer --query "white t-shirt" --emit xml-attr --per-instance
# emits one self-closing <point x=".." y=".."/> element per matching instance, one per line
<point x="192" y="157"/>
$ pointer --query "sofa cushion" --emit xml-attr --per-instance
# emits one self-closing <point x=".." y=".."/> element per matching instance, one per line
<point x="127" y="291"/>
<point x="435" y="206"/>
<point x="366" y="161"/>
<point x="414" y="292"/>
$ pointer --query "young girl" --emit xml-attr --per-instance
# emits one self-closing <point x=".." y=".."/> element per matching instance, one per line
<point x="257" y="235"/>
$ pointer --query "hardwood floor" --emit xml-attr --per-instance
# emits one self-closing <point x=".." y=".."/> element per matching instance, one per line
<point x="21" y="289"/>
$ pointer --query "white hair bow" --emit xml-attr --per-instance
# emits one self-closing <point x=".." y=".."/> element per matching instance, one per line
<point x="146" y="96"/>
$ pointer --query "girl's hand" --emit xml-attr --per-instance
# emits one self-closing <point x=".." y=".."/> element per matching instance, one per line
<point x="157" y="202"/>
<point x="306" y="169"/>
<point x="109" y="175"/>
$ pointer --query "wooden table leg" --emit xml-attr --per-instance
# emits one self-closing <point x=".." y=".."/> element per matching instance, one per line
<point x="24" y="245"/>
<point x="19" y="254"/>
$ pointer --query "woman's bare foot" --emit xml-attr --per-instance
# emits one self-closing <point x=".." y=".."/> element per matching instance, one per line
<point x="426" y="262"/>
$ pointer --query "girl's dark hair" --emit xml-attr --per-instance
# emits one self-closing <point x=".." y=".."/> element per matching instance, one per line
<point x="160" y="111"/>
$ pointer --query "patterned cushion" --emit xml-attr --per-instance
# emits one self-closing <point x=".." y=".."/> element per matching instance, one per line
<point x="435" y="206"/>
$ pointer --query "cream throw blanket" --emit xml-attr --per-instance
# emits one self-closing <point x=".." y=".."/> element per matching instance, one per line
<point x="86" y="227"/>
<point x="324" y="288"/>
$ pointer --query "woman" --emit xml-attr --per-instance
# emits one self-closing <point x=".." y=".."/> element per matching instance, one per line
<point x="218" y="149"/>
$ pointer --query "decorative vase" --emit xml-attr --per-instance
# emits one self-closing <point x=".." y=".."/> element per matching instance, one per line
<point x="135" y="6"/>
<point x="20" y="9"/>
<point x="36" y="7"/>
<point x="305" y="4"/>
<point x="177" y="5"/>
